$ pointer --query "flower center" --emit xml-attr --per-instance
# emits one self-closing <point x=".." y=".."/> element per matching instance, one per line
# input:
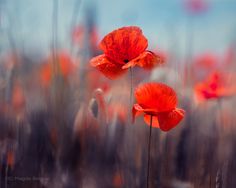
<point x="126" y="60"/>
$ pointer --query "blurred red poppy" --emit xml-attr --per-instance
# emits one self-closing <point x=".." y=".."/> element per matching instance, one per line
<point x="207" y="60"/>
<point x="196" y="6"/>
<point x="18" y="98"/>
<point x="10" y="158"/>
<point x="217" y="85"/>
<point x="77" y="34"/>
<point x="65" y="66"/>
<point x="124" y="48"/>
<point x="80" y="33"/>
<point x="159" y="101"/>
<point x="203" y="65"/>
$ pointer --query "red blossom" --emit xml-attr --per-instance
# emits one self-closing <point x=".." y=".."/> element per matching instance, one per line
<point x="159" y="101"/>
<point x="124" y="48"/>
<point x="217" y="85"/>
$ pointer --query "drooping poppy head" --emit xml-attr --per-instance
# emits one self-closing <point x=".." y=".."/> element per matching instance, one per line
<point x="217" y="85"/>
<point x="159" y="101"/>
<point x="123" y="48"/>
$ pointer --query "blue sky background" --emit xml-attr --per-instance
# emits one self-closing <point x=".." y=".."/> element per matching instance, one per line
<point x="164" y="22"/>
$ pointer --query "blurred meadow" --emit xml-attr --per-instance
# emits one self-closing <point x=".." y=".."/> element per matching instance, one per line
<point x="66" y="122"/>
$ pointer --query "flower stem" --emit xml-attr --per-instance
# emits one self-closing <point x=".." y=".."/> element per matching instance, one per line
<point x="54" y="33"/>
<point x="131" y="89"/>
<point x="74" y="20"/>
<point x="6" y="176"/>
<point x="149" y="150"/>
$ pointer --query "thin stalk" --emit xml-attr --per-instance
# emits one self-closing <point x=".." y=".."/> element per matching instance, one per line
<point x="220" y="109"/>
<point x="10" y="76"/>
<point x="6" y="176"/>
<point x="131" y="89"/>
<point x="55" y="61"/>
<point x="54" y="33"/>
<point x="149" y="150"/>
<point x="74" y="20"/>
<point x="189" y="49"/>
<point x="220" y="181"/>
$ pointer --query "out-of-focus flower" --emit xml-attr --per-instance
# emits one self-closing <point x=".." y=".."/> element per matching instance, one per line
<point x="117" y="180"/>
<point x="78" y="37"/>
<point x="18" y="98"/>
<point x="77" y="34"/>
<point x="10" y="158"/>
<point x="203" y="65"/>
<point x="96" y="80"/>
<point x="118" y="110"/>
<point x="64" y="64"/>
<point x="124" y="48"/>
<point x="217" y="85"/>
<point x="206" y="61"/>
<point x="196" y="6"/>
<point x="159" y="101"/>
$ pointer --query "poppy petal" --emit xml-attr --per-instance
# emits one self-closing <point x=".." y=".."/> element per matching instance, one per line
<point x="66" y="65"/>
<point x="46" y="74"/>
<point x="124" y="44"/>
<point x="108" y="68"/>
<point x="171" y="119"/>
<point x="137" y="110"/>
<point x="217" y="85"/>
<point x="155" y="122"/>
<point x="202" y="92"/>
<point x="156" y="96"/>
<point x="146" y="60"/>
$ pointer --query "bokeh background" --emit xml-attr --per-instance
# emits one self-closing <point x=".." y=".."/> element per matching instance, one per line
<point x="165" y="23"/>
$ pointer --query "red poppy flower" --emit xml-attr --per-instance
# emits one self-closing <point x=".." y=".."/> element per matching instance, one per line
<point x="217" y="85"/>
<point x="159" y="101"/>
<point x="124" y="48"/>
